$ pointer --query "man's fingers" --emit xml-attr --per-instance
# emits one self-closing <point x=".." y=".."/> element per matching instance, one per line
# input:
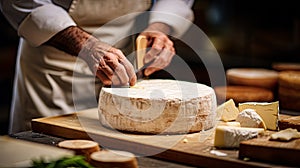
<point x="127" y="65"/>
<point x="130" y="71"/>
<point x="156" y="48"/>
<point x="103" y="77"/>
<point x="162" y="61"/>
<point x="120" y="76"/>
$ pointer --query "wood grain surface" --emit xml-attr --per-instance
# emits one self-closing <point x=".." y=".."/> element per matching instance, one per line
<point x="289" y="122"/>
<point x="191" y="149"/>
<point x="20" y="153"/>
<point x="272" y="151"/>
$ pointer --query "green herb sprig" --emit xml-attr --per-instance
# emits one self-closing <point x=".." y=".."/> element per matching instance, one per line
<point x="65" y="162"/>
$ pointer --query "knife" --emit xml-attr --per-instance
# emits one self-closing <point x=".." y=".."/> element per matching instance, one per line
<point x="141" y="49"/>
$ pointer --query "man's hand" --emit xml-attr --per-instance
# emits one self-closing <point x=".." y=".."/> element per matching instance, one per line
<point x="161" y="47"/>
<point x="106" y="62"/>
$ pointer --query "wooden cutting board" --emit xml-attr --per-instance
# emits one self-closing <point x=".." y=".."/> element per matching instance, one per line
<point x="192" y="149"/>
<point x="273" y="151"/>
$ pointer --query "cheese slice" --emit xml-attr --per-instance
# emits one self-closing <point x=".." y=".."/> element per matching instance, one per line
<point x="249" y="118"/>
<point x="159" y="106"/>
<point x="285" y="135"/>
<point x="227" y="111"/>
<point x="269" y="112"/>
<point x="230" y="136"/>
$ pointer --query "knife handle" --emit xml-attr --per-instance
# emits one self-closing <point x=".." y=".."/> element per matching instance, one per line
<point x="141" y="47"/>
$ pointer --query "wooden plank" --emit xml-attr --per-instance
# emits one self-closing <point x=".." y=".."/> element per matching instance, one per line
<point x="20" y="153"/>
<point x="289" y="122"/>
<point x="193" y="149"/>
<point x="273" y="151"/>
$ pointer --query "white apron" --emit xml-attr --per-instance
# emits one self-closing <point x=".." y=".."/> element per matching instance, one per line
<point x="50" y="82"/>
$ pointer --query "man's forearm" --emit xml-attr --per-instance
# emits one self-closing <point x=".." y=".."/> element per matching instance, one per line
<point x="158" y="26"/>
<point x="70" y="40"/>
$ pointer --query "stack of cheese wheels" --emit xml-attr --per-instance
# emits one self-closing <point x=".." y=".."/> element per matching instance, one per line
<point x="113" y="158"/>
<point x="242" y="94"/>
<point x="286" y="66"/>
<point x="158" y="106"/>
<point x="257" y="77"/>
<point x="80" y="147"/>
<point x="289" y="90"/>
<point x="248" y="84"/>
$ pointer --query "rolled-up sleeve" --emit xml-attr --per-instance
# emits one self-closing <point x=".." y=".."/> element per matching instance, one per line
<point x="36" y="22"/>
<point x="176" y="13"/>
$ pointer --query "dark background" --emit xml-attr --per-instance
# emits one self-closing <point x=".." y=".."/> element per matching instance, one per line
<point x="248" y="33"/>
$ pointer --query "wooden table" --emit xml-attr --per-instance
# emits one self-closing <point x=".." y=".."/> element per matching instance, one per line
<point x="191" y="149"/>
<point x="144" y="162"/>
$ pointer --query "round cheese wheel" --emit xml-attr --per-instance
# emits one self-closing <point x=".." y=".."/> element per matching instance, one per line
<point x="158" y="106"/>
<point x="113" y="158"/>
<point x="286" y="66"/>
<point x="289" y="102"/>
<point x="257" y="77"/>
<point x="80" y="147"/>
<point x="289" y="89"/>
<point x="289" y="79"/>
<point x="242" y="94"/>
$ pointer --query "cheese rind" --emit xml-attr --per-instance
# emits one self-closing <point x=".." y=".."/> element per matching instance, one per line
<point x="159" y="106"/>
<point x="227" y="111"/>
<point x="249" y="118"/>
<point x="269" y="112"/>
<point x="230" y="136"/>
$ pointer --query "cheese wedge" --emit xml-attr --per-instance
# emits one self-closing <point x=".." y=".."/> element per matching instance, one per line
<point x="269" y="112"/>
<point x="227" y="111"/>
<point x="230" y="136"/>
<point x="249" y="118"/>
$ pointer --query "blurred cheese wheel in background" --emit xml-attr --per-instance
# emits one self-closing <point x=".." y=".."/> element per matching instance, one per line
<point x="80" y="146"/>
<point x="289" y="79"/>
<point x="257" y="77"/>
<point x="113" y="158"/>
<point x="242" y="94"/>
<point x="289" y="90"/>
<point x="286" y="66"/>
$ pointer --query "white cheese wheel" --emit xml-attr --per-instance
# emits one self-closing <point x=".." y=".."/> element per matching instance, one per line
<point x="159" y="106"/>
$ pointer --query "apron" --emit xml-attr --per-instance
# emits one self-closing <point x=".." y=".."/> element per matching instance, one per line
<point x="50" y="82"/>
